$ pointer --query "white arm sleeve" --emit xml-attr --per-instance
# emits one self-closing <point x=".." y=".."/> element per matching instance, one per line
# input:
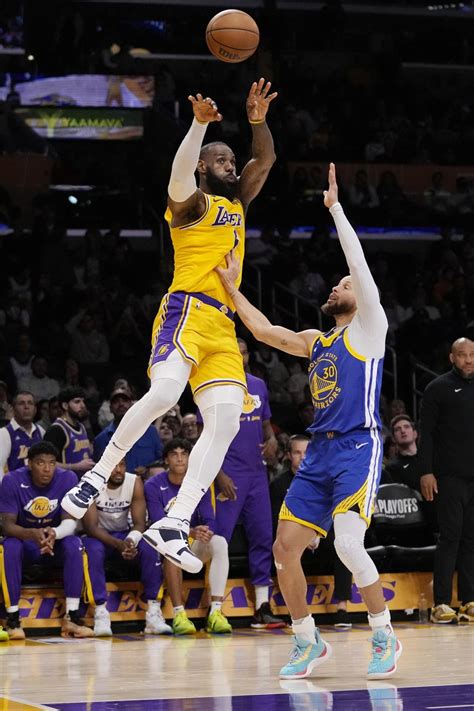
<point x="368" y="328"/>
<point x="182" y="181"/>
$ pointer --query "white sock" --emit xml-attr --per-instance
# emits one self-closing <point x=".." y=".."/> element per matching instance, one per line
<point x="72" y="604"/>
<point x="163" y="394"/>
<point x="12" y="609"/>
<point x="100" y="608"/>
<point x="215" y="605"/>
<point x="261" y="595"/>
<point x="381" y="621"/>
<point x="220" y="407"/>
<point x="178" y="609"/>
<point x="305" y="629"/>
<point x="154" y="606"/>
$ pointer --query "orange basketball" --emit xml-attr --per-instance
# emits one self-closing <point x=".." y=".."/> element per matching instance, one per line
<point x="232" y="36"/>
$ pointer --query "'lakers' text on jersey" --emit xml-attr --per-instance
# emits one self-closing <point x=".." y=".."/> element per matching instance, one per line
<point x="345" y="386"/>
<point x="35" y="506"/>
<point x="196" y="316"/>
<point x="202" y="245"/>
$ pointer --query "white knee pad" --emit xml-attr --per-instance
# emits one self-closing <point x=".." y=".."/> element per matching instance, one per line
<point x="349" y="531"/>
<point x="174" y="368"/>
<point x="220" y="395"/>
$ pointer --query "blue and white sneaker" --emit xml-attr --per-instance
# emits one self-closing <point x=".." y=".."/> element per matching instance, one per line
<point x="386" y="650"/>
<point x="305" y="657"/>
<point x="169" y="536"/>
<point x="81" y="497"/>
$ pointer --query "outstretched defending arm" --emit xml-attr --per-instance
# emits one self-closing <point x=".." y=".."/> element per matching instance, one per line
<point x="183" y="192"/>
<point x="298" y="344"/>
<point x="370" y="321"/>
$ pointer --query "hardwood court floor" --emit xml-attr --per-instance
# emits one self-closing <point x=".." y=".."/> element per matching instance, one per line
<point x="238" y="671"/>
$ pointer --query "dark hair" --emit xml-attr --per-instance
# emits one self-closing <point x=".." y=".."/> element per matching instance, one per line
<point x="70" y="393"/>
<point x="21" y="392"/>
<point x="208" y="146"/>
<point x="176" y="443"/>
<point x="398" y="418"/>
<point x="36" y="450"/>
<point x="297" y="438"/>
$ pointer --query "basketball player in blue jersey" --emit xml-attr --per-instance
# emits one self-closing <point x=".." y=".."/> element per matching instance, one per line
<point x="193" y="336"/>
<point x="337" y="481"/>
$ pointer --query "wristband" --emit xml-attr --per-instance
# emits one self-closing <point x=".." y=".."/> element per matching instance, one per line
<point x="201" y="123"/>
<point x="135" y="537"/>
<point x="256" y="123"/>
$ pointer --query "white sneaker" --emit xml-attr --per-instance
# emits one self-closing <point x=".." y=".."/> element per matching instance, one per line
<point x="102" y="626"/>
<point x="81" y="497"/>
<point x="169" y="536"/>
<point x="155" y="622"/>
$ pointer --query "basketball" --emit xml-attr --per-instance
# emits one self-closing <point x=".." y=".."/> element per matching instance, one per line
<point x="232" y="36"/>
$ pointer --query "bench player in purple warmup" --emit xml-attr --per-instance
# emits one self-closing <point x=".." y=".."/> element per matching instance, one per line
<point x="193" y="335"/>
<point x="338" y="479"/>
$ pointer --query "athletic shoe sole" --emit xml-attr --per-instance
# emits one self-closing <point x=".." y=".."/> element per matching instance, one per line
<point x="312" y="664"/>
<point x="191" y="565"/>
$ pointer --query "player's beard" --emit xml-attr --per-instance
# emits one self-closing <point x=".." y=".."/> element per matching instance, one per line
<point x="221" y="187"/>
<point x="336" y="309"/>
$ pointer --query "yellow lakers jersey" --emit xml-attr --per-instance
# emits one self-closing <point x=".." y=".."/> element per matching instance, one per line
<point x="201" y="246"/>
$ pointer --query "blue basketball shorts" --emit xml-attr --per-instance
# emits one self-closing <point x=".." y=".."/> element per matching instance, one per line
<point x="338" y="473"/>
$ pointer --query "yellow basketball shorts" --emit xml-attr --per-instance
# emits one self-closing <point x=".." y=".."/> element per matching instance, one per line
<point x="202" y="330"/>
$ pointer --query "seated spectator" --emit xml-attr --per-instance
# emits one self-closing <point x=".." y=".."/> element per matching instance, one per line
<point x="39" y="383"/>
<point x="71" y="374"/>
<point x="276" y="372"/>
<point x="189" y="428"/>
<point x="392" y="199"/>
<point x="436" y="197"/>
<point x="309" y="285"/>
<point x="36" y="532"/>
<point x="146" y="449"/>
<point x="462" y="201"/>
<point x="89" y="345"/>
<point x="68" y="433"/>
<point x="165" y="431"/>
<point x="110" y="536"/>
<point x="396" y="407"/>
<point x="403" y="468"/>
<point x="361" y="193"/>
<point x="296" y="382"/>
<point x="160" y="493"/>
<point x="22" y="357"/>
<point x="6" y="410"/>
<point x="419" y="301"/>
<point x="105" y="416"/>
<point x="14" y="318"/>
<point x="20" y="434"/>
<point x="296" y="450"/>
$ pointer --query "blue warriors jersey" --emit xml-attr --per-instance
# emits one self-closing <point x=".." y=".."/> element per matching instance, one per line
<point x="345" y="386"/>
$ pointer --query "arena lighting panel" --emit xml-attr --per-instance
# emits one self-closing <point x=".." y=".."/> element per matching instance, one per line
<point x="198" y="3"/>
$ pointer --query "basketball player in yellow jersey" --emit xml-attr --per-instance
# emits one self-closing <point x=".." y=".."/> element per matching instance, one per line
<point x="194" y="335"/>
